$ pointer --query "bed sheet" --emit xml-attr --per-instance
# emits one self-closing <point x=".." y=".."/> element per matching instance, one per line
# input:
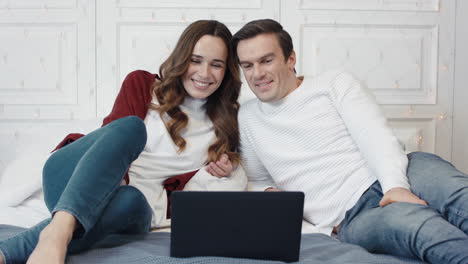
<point x="154" y="248"/>
<point x="27" y="214"/>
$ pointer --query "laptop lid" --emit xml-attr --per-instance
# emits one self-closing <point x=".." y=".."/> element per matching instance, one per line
<point x="257" y="225"/>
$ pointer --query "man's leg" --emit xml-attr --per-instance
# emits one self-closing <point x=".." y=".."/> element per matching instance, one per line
<point x="441" y="185"/>
<point x="403" y="229"/>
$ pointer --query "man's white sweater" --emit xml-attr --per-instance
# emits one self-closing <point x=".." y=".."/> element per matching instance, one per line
<point x="328" y="139"/>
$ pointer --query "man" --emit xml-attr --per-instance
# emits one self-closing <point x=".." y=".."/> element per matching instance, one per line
<point x="326" y="137"/>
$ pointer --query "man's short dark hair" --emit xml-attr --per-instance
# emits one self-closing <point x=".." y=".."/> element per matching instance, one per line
<point x="264" y="26"/>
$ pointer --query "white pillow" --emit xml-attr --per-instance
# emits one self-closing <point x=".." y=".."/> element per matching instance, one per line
<point x="26" y="155"/>
<point x="23" y="176"/>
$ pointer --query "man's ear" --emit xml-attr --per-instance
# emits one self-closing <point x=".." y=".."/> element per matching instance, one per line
<point x="292" y="61"/>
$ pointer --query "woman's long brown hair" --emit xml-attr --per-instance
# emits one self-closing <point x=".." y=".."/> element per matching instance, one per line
<point x="221" y="106"/>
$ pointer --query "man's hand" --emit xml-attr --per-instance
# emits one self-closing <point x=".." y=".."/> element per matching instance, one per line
<point x="221" y="168"/>
<point x="400" y="195"/>
<point x="271" y="189"/>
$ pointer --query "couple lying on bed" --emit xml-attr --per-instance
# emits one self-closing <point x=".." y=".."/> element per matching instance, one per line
<point x="183" y="129"/>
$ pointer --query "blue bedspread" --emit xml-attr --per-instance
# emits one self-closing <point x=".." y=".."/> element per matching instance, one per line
<point x="154" y="248"/>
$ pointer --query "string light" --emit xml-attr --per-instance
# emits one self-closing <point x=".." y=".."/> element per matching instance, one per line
<point x="37" y="113"/>
<point x="420" y="140"/>
<point x="26" y="33"/>
<point x="442" y="116"/>
<point x="410" y="110"/>
<point x="418" y="66"/>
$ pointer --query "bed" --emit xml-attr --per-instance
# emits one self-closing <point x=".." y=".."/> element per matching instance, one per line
<point x="25" y="147"/>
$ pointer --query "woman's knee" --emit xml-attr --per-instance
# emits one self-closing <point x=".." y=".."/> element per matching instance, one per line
<point x="130" y="131"/>
<point x="131" y="201"/>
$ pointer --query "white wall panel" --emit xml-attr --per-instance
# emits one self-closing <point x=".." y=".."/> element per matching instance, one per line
<point x="398" y="62"/>
<point x="190" y="4"/>
<point x="460" y="119"/>
<point x="399" y="49"/>
<point x="48" y="75"/>
<point x="66" y="59"/>
<point x="38" y="4"/>
<point x="415" y="134"/>
<point x="135" y="35"/>
<point x="376" y="5"/>
<point x="47" y="60"/>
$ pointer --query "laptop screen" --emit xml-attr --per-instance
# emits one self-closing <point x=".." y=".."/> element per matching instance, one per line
<point x="258" y="225"/>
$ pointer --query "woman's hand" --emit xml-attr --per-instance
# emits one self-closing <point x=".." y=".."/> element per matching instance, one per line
<point x="221" y="168"/>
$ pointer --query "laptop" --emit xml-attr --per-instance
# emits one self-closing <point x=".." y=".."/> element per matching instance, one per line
<point x="256" y="225"/>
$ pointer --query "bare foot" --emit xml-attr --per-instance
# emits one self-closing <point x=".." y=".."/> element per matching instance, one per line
<point x="54" y="240"/>
<point x="2" y="261"/>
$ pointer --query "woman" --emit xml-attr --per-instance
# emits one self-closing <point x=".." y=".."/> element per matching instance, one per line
<point x="190" y="125"/>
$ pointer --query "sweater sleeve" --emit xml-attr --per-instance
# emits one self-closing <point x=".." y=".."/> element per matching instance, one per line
<point x="368" y="128"/>
<point x="259" y="178"/>
<point x="133" y="99"/>
<point x="134" y="96"/>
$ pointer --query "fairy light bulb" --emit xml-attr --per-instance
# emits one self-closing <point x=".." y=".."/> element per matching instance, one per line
<point x="442" y="116"/>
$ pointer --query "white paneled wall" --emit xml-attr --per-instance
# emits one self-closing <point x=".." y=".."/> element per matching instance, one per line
<point x="403" y="51"/>
<point x="65" y="59"/>
<point x="47" y="59"/>
<point x="141" y="34"/>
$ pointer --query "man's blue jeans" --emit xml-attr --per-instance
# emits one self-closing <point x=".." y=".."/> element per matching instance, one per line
<point x="436" y="233"/>
<point x="83" y="178"/>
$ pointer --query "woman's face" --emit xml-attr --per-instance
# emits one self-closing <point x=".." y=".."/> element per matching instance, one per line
<point x="207" y="67"/>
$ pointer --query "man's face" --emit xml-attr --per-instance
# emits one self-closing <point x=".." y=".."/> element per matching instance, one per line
<point x="269" y="75"/>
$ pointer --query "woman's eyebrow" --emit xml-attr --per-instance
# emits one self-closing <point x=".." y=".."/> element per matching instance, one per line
<point x="215" y="60"/>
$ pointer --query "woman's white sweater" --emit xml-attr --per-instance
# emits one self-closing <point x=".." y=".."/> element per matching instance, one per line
<point x="160" y="160"/>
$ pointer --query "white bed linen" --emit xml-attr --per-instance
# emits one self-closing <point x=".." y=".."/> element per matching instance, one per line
<point x="27" y="214"/>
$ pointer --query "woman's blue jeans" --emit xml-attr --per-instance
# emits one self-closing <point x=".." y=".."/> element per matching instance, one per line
<point x="436" y="233"/>
<point x="83" y="178"/>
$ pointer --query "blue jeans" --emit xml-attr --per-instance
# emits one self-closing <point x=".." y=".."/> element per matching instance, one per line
<point x="436" y="233"/>
<point x="83" y="178"/>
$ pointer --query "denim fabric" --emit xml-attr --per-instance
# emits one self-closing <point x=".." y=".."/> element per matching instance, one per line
<point x="436" y="233"/>
<point x="83" y="178"/>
